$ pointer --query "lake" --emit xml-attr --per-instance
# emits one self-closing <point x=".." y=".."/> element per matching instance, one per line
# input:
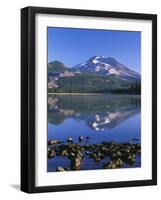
<point x="97" y="118"/>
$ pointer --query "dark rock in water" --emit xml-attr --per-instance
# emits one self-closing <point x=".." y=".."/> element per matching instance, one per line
<point x="60" y="169"/>
<point x="49" y="149"/>
<point x="70" y="140"/>
<point x="103" y="149"/>
<point x="80" y="154"/>
<point x="100" y="155"/>
<point x="139" y="151"/>
<point x="87" y="146"/>
<point x="64" y="152"/>
<point x="92" y="155"/>
<point x="124" y="156"/>
<point x="119" y="163"/>
<point x="53" y="142"/>
<point x="110" y="165"/>
<point x="113" y="164"/>
<point x="133" y="149"/>
<point x="82" y="148"/>
<point x="119" y="154"/>
<point x="97" y="159"/>
<point x="72" y="155"/>
<point x="76" y="162"/>
<point x="80" y="138"/>
<point x="126" y="150"/>
<point x="114" y="156"/>
<point x="106" y="151"/>
<point x="51" y="153"/>
<point x="131" y="159"/>
<point x="138" y="148"/>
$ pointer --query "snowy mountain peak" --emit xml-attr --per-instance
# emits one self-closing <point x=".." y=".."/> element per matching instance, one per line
<point x="95" y="58"/>
<point x="107" y="66"/>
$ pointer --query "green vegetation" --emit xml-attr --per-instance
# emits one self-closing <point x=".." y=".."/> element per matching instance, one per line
<point x="72" y="82"/>
<point x="89" y="83"/>
<point x="56" y="66"/>
<point x="134" y="88"/>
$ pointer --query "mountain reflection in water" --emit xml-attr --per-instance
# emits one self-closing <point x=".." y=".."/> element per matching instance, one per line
<point x="99" y="112"/>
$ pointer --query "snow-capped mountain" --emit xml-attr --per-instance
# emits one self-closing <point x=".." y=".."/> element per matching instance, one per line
<point x="107" y="66"/>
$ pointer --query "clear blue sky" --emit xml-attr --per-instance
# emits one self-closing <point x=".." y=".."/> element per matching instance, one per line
<point x="74" y="46"/>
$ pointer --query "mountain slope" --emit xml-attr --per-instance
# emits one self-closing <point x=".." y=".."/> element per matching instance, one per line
<point x="98" y="74"/>
<point x="107" y="66"/>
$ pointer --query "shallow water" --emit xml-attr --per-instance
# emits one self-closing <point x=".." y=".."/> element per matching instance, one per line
<point x="99" y="117"/>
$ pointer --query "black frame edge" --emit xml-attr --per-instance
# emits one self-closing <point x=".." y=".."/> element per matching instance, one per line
<point x="28" y="99"/>
<point x="93" y="13"/>
<point x="24" y="100"/>
<point x="154" y="99"/>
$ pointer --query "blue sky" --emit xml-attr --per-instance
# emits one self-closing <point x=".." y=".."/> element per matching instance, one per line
<point x="74" y="46"/>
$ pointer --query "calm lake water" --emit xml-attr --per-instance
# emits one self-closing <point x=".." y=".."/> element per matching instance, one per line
<point x="99" y="117"/>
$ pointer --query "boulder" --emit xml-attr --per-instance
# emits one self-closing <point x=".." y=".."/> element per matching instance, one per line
<point x="110" y="165"/>
<point x="119" y="163"/>
<point x="119" y="154"/>
<point x="76" y="162"/>
<point x="53" y="142"/>
<point x="70" y="140"/>
<point x="51" y="153"/>
<point x="60" y="169"/>
<point x="131" y="159"/>
<point x="97" y="159"/>
<point x="80" y="138"/>
<point x="64" y="152"/>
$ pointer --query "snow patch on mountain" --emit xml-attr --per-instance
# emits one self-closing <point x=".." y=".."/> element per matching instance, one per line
<point x="97" y="69"/>
<point x="113" y="71"/>
<point x="95" y="61"/>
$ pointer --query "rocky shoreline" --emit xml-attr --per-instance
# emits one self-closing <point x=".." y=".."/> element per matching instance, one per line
<point x="118" y="153"/>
